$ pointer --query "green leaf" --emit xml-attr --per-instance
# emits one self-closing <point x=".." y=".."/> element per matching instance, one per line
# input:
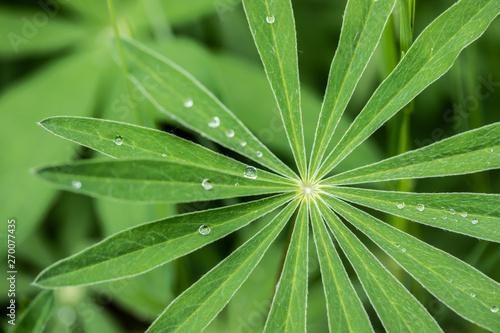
<point x="472" y="214"/>
<point x="362" y="29"/>
<point x="345" y="310"/>
<point x="273" y="29"/>
<point x="464" y="289"/>
<point x="288" y="310"/>
<point x="398" y="310"/>
<point x="468" y="152"/>
<point x="149" y="245"/>
<point x="430" y="56"/>
<point x="195" y="308"/>
<point x="153" y="181"/>
<point x="176" y="93"/>
<point x="35" y="317"/>
<point x="141" y="142"/>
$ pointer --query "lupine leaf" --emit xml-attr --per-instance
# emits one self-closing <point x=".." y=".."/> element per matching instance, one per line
<point x="140" y="142"/>
<point x="430" y="56"/>
<point x="398" y="310"/>
<point x="147" y="246"/>
<point x="345" y="310"/>
<point x="468" y="152"/>
<point x="288" y="310"/>
<point x="153" y="181"/>
<point x="362" y="28"/>
<point x="464" y="289"/>
<point x="195" y="308"/>
<point x="273" y="28"/>
<point x="35" y="317"/>
<point x="176" y="93"/>
<point x="472" y="214"/>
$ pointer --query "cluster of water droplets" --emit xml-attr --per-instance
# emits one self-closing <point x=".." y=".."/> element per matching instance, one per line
<point x="451" y="211"/>
<point x="250" y="172"/>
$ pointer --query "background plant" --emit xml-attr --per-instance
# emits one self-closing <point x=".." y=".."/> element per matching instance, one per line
<point x="481" y="144"/>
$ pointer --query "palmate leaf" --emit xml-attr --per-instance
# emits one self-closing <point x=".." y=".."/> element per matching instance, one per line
<point x="288" y="310"/>
<point x="147" y="246"/>
<point x="467" y="291"/>
<point x="194" y="309"/>
<point x="273" y="28"/>
<point x="35" y="317"/>
<point x="430" y="56"/>
<point x="362" y="28"/>
<point x="398" y="310"/>
<point x="345" y="310"/>
<point x="176" y="93"/>
<point x="472" y="214"/>
<point x="468" y="152"/>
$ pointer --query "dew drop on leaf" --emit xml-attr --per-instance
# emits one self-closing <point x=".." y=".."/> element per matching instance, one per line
<point x="420" y="207"/>
<point x="452" y="211"/>
<point x="270" y="19"/>
<point x="403" y="249"/>
<point x="464" y="214"/>
<point x="215" y="122"/>
<point x="76" y="184"/>
<point x="207" y="184"/>
<point x="400" y="205"/>
<point x="472" y="295"/>
<point x="236" y="184"/>
<point x="250" y="172"/>
<point x="243" y="144"/>
<point x="189" y="103"/>
<point x="494" y="309"/>
<point x="163" y="155"/>
<point x="118" y="140"/>
<point x="444" y="217"/>
<point x="230" y="133"/>
<point x="259" y="154"/>
<point x="204" y="230"/>
<point x="475" y="221"/>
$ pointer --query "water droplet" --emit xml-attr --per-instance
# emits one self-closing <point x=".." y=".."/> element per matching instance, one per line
<point x="403" y="249"/>
<point x="250" y="172"/>
<point x="163" y="155"/>
<point x="420" y="207"/>
<point x="491" y="150"/>
<point x="452" y="211"/>
<point x="207" y="184"/>
<point x="494" y="309"/>
<point x="189" y="103"/>
<point x="259" y="154"/>
<point x="76" y="184"/>
<point x="230" y="133"/>
<point x="400" y="205"/>
<point x="433" y="218"/>
<point x="451" y="280"/>
<point x="432" y="49"/>
<point x="118" y="140"/>
<point x="444" y="217"/>
<point x="204" y="230"/>
<point x="215" y="122"/>
<point x="398" y="246"/>
<point x="236" y="184"/>
<point x="243" y="144"/>
<point x="270" y="19"/>
<point x="472" y="295"/>
<point x="455" y="220"/>
<point x="464" y="214"/>
<point x="475" y="221"/>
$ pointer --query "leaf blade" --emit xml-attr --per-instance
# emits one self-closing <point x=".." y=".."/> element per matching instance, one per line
<point x="35" y="317"/>
<point x="289" y="306"/>
<point x="396" y="307"/>
<point x="472" y="214"/>
<point x="273" y="28"/>
<point x="344" y="308"/>
<point x="176" y="93"/>
<point x="164" y="240"/>
<point x="210" y="294"/>
<point x="362" y="29"/>
<point x="468" y="152"/>
<point x="430" y="56"/>
<point x="460" y="286"/>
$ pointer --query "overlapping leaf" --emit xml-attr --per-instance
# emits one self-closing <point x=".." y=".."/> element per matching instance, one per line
<point x="430" y="56"/>
<point x="35" y="317"/>
<point x="152" y="244"/>
<point x="362" y="28"/>
<point x="273" y="27"/>
<point x="464" y="289"/>
<point x="194" y="309"/>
